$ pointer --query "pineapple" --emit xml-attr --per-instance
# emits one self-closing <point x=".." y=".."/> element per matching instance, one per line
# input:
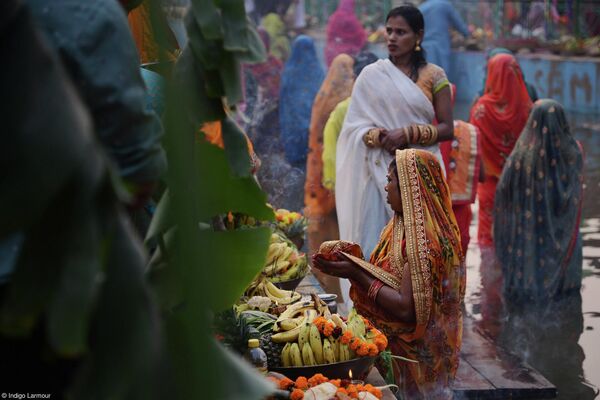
<point x="272" y="350"/>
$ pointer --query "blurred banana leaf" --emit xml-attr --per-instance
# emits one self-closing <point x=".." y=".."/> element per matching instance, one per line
<point x="78" y="277"/>
<point x="234" y="25"/>
<point x="199" y="106"/>
<point x="208" y="18"/>
<point x="198" y="270"/>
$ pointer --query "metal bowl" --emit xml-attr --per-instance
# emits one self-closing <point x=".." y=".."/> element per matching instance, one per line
<point x="360" y="369"/>
<point x="289" y="285"/>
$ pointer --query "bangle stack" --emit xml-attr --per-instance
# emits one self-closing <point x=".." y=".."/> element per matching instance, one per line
<point x="374" y="289"/>
<point x="371" y="138"/>
<point x="424" y="135"/>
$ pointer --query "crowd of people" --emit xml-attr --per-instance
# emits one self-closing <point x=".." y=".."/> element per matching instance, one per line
<point x="369" y="149"/>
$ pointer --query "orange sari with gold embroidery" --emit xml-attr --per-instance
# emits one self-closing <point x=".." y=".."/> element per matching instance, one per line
<point x="422" y="245"/>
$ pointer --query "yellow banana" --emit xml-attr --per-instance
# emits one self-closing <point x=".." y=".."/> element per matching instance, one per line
<point x="344" y="352"/>
<point x="273" y="248"/>
<point x="290" y="274"/>
<point x="275" y="238"/>
<point x="275" y="291"/>
<point x="279" y="300"/>
<point x="337" y="320"/>
<point x="285" y="355"/>
<point x="316" y="344"/>
<point x="294" y="309"/>
<point x="304" y="336"/>
<point x="335" y="346"/>
<point x="295" y="356"/>
<point x="328" y="355"/>
<point x="281" y="266"/>
<point x="307" y="355"/>
<point x="288" y="336"/>
<point x="287" y="252"/>
<point x="311" y="315"/>
<point x="288" y="324"/>
<point x="356" y="324"/>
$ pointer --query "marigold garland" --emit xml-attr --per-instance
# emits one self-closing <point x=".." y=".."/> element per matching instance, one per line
<point x="362" y="348"/>
<point x="344" y="386"/>
<point x="297" y="394"/>
<point x="325" y="327"/>
<point x="286" y="383"/>
<point x="346" y="337"/>
<point x="302" y="383"/>
<point x="317" y="379"/>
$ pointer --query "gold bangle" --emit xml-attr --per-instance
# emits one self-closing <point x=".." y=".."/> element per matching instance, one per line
<point x="431" y="136"/>
<point x="371" y="138"/>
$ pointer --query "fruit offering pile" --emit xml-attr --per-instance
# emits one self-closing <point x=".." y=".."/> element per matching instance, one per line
<point x="263" y="295"/>
<point x="284" y="262"/>
<point x="291" y="223"/>
<point x="314" y="336"/>
<point x="320" y="387"/>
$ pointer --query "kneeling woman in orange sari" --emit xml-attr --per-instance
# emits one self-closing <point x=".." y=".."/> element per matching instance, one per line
<point x="413" y="286"/>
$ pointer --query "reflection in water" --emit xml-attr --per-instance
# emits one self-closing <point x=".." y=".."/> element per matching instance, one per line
<point x="547" y="338"/>
<point x="491" y="294"/>
<point x="561" y="339"/>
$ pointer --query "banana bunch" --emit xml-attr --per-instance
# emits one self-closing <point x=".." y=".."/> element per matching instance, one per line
<point x="308" y="348"/>
<point x="262" y="289"/>
<point x="284" y="262"/>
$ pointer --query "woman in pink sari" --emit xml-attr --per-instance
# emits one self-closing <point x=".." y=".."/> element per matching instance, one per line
<point x="345" y="33"/>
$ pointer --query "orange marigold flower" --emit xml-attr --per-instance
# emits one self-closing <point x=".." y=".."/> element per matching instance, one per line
<point x="328" y="329"/>
<point x="302" y="383"/>
<point x="368" y="323"/>
<point x="376" y="392"/>
<point x="297" y="394"/>
<point x="317" y="379"/>
<point x="373" y="350"/>
<point x="336" y="382"/>
<point x="320" y="323"/>
<point x="354" y="343"/>
<point x="381" y="342"/>
<point x="342" y="390"/>
<point x="346" y="337"/>
<point x="352" y="391"/>
<point x="362" y="349"/>
<point x="285" y="383"/>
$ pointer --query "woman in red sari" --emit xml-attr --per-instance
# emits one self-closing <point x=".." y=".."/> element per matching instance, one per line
<point x="413" y="286"/>
<point x="500" y="115"/>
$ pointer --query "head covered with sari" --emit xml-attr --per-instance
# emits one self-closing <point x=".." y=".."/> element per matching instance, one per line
<point x="345" y="33"/>
<point x="501" y="113"/>
<point x="302" y="76"/>
<point x="531" y="90"/>
<point x="336" y="87"/>
<point x="538" y="208"/>
<point x="424" y="244"/>
<point x="279" y="44"/>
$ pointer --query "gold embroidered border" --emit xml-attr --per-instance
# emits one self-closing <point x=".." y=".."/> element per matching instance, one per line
<point x="396" y="259"/>
<point x="383" y="276"/>
<point x="468" y="195"/>
<point x="414" y="228"/>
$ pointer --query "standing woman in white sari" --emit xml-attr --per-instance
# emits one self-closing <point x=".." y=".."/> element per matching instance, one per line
<point x="394" y="103"/>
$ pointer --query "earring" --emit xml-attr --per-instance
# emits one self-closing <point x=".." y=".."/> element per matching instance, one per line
<point x="417" y="47"/>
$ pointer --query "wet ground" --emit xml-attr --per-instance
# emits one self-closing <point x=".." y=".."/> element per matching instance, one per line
<point x="562" y="341"/>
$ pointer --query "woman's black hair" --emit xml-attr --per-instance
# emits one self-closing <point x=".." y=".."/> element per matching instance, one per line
<point x="415" y="20"/>
<point x="393" y="167"/>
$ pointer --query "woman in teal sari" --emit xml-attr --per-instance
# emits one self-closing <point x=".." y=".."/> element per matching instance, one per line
<point x="538" y="209"/>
